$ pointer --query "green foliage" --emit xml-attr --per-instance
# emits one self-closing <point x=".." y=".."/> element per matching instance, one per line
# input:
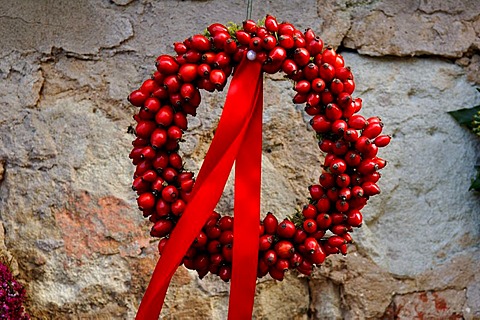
<point x="470" y="118"/>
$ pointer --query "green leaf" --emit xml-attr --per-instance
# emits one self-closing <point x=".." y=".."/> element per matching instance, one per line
<point x="475" y="184"/>
<point x="465" y="116"/>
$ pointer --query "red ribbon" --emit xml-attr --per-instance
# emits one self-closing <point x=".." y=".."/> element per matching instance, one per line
<point x="238" y="137"/>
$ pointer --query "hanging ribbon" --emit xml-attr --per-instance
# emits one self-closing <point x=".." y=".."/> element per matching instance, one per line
<point x="238" y="137"/>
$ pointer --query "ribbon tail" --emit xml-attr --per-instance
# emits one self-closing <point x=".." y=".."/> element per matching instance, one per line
<point x="247" y="216"/>
<point x="238" y="110"/>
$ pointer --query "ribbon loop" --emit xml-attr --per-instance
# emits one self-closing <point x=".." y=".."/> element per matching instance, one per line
<point x="238" y="131"/>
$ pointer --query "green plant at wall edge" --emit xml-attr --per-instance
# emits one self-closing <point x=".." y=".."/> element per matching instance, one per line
<point x="470" y="118"/>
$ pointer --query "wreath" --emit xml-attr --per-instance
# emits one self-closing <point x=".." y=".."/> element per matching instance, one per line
<point x="190" y="231"/>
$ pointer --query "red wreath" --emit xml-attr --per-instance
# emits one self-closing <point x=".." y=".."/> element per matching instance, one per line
<point x="181" y="207"/>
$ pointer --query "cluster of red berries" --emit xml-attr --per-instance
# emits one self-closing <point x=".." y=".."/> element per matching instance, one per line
<point x="322" y="81"/>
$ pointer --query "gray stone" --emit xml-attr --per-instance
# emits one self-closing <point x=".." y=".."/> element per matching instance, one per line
<point x="401" y="28"/>
<point x="79" y="27"/>
<point x="417" y="179"/>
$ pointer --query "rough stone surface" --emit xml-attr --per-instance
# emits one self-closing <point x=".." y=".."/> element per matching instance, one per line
<point x="402" y="28"/>
<point x="69" y="223"/>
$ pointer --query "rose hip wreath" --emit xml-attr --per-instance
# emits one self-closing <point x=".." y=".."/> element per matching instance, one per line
<point x="321" y="81"/>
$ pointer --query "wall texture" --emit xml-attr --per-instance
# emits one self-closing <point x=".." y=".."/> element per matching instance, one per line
<point x="68" y="216"/>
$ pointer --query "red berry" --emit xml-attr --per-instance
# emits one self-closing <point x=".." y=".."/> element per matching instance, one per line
<point x="339" y="229"/>
<point x="145" y="128"/>
<point x="243" y="37"/>
<point x="218" y="78"/>
<point x="345" y="193"/>
<point x="302" y="87"/>
<point x="250" y="26"/>
<point x="164" y="116"/>
<point x="276" y="274"/>
<point x="342" y="180"/>
<point x="265" y="242"/>
<point x="167" y="65"/>
<point x="340" y="147"/>
<point x="289" y="67"/>
<point x="158" y="138"/>
<point x="200" y="43"/>
<point x="327" y="180"/>
<point x="370" y="188"/>
<point x="220" y="39"/>
<point x="318" y="256"/>
<point x="271" y="23"/>
<point x="382" y="140"/>
<point x="162" y="208"/>
<point x="338" y="166"/>
<point x="299" y="236"/>
<point x="286" y="229"/>
<point x="333" y="112"/>
<point x="305" y="267"/>
<point x="169" y="193"/>
<point x="338" y="218"/>
<point x="351" y="135"/>
<point x="339" y="127"/>
<point x="327" y="72"/>
<point x="311" y="245"/>
<point x="174" y="133"/>
<point x="372" y="130"/>
<point x="362" y="143"/>
<point x="309" y="211"/>
<point x="326" y="145"/>
<point x="343" y="73"/>
<point x="178" y="206"/>
<point x="180" y="120"/>
<point x="270" y="257"/>
<point x="187" y="185"/>
<point x="286" y="28"/>
<point x="313" y="99"/>
<point x="329" y="56"/>
<point x="336" y="241"/>
<point x="225" y="273"/>
<point x="269" y="42"/>
<point x="357" y="191"/>
<point x="314" y="46"/>
<point x="270" y="223"/>
<point x="327" y="97"/>
<point x="318" y="85"/>
<point x="332" y="194"/>
<point x="310" y="71"/>
<point x="216" y="27"/>
<point x="354" y="218"/>
<point x="336" y="86"/>
<point x="225" y="223"/>
<point x="146" y="201"/>
<point x="367" y="166"/>
<point x="301" y="56"/>
<point x="310" y="226"/>
<point x="284" y="249"/>
<point x="349" y="86"/>
<point x="282" y="265"/>
<point x="221" y="60"/>
<point x="149" y="176"/>
<point x="320" y="124"/>
<point x="316" y="191"/>
<point x="341" y="205"/>
<point x="277" y="55"/>
<point x="161" y="228"/>
<point x="323" y="204"/>
<point x="296" y="260"/>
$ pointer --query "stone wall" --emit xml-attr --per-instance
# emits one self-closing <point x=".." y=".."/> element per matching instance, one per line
<point x="69" y="218"/>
